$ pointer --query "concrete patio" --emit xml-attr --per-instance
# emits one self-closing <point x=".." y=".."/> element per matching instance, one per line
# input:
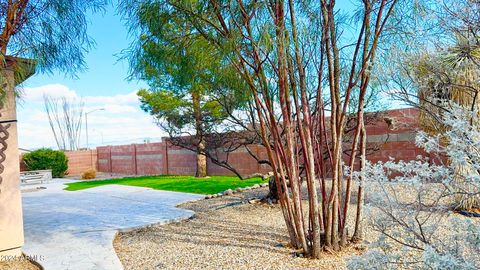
<point x="75" y="229"/>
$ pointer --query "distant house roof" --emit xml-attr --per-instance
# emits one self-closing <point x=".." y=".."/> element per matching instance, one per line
<point x="22" y="67"/>
<point x="23" y="150"/>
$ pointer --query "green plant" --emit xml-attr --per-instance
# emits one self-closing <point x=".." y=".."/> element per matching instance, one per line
<point x="47" y="159"/>
<point x="89" y="174"/>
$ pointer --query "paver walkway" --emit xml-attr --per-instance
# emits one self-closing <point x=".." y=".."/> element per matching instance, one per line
<point x="75" y="229"/>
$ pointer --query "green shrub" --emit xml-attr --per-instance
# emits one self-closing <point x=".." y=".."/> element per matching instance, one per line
<point x="47" y="159"/>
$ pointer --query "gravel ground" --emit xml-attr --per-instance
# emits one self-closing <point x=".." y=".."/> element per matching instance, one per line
<point x="231" y="233"/>
<point x="225" y="233"/>
<point x="20" y="264"/>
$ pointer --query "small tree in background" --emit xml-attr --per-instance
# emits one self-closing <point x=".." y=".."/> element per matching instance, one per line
<point x="65" y="118"/>
<point x="47" y="159"/>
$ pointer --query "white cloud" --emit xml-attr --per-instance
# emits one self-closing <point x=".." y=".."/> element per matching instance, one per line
<point x="121" y="122"/>
<point x="35" y="94"/>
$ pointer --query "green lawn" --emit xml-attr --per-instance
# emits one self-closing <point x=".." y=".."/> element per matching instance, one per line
<point x="211" y="185"/>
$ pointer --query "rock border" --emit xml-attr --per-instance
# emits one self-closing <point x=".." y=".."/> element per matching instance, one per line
<point x="230" y="192"/>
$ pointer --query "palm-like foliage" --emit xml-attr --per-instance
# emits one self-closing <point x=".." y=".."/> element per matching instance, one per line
<point x="450" y="76"/>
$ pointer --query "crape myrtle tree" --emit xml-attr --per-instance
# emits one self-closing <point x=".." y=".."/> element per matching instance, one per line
<point x="191" y="88"/>
<point x="293" y="55"/>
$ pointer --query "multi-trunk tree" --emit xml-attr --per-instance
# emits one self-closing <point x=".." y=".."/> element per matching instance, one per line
<point x="303" y="73"/>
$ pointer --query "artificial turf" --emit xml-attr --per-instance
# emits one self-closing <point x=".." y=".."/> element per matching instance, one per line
<point x="190" y="184"/>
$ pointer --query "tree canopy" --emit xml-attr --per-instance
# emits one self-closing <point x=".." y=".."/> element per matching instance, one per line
<point x="178" y="62"/>
<point x="52" y="32"/>
<point x="193" y="88"/>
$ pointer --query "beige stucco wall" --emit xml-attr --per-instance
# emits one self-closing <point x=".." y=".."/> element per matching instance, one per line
<point x="11" y="223"/>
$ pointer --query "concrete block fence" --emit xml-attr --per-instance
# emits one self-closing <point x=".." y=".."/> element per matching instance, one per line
<point x="393" y="135"/>
<point x="164" y="158"/>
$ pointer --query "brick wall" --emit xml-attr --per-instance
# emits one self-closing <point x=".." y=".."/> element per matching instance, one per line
<point x="141" y="159"/>
<point x="393" y="135"/>
<point x="242" y="161"/>
<point x="396" y="140"/>
<point x="164" y="158"/>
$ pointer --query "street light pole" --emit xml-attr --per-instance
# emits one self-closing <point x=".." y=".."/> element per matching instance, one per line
<point x="86" y="122"/>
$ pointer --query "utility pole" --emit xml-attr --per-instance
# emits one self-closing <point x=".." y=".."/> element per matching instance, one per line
<point x="86" y="122"/>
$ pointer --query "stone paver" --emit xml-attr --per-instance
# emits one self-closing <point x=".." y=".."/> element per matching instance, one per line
<point x="75" y="229"/>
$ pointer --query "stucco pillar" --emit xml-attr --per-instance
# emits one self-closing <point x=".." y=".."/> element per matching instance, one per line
<point x="11" y="222"/>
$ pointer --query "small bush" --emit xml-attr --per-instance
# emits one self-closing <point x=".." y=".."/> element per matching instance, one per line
<point x="89" y="174"/>
<point x="47" y="159"/>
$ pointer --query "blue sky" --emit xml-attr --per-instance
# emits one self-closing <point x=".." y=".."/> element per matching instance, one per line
<point x="102" y="85"/>
<point x="105" y="75"/>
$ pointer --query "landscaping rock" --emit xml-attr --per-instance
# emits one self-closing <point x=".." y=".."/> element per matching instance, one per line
<point x="208" y="197"/>
<point x="256" y="186"/>
<point x="254" y="201"/>
<point x="239" y="189"/>
<point x="264" y="185"/>
<point x="298" y="254"/>
<point x="228" y="192"/>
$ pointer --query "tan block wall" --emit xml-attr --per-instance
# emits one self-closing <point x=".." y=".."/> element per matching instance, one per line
<point x="80" y="161"/>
